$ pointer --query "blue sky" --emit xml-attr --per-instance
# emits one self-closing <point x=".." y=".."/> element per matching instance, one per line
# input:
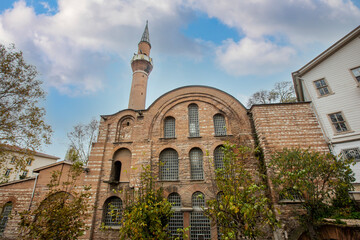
<point x="83" y="48"/>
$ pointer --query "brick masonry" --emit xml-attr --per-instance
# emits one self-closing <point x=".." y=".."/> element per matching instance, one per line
<point x="141" y="133"/>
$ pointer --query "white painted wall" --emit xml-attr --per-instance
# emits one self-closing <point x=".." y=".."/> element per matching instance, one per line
<point x="345" y="98"/>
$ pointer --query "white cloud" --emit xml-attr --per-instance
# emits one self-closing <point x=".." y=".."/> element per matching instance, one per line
<point x="293" y="24"/>
<point x="249" y="56"/>
<point x="72" y="47"/>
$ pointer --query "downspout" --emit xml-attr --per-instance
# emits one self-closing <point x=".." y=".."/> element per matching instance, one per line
<point x="33" y="192"/>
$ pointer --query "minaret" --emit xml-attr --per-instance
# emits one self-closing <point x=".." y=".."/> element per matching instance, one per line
<point x="141" y="65"/>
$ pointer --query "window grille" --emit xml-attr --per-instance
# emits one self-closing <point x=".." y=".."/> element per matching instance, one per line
<point x="338" y="122"/>
<point x="196" y="164"/>
<point x="5" y="216"/>
<point x="112" y="211"/>
<point x="169" y="127"/>
<point x="194" y="120"/>
<point x="218" y="157"/>
<point x="219" y="125"/>
<point x="352" y="153"/>
<point x="175" y="200"/>
<point x="322" y="87"/>
<point x="169" y="165"/>
<point x="198" y="200"/>
<point x="356" y="72"/>
<point x="177" y="219"/>
<point x="290" y="194"/>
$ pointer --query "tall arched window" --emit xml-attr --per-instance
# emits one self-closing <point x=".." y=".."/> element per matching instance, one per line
<point x="177" y="219"/>
<point x="193" y="110"/>
<point x="219" y="125"/>
<point x="5" y="216"/>
<point x="169" y="127"/>
<point x="196" y="164"/>
<point x="200" y="224"/>
<point x="112" y="211"/>
<point x="218" y="157"/>
<point x="121" y="165"/>
<point x="169" y="165"/>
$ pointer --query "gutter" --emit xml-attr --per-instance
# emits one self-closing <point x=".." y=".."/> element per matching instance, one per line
<point x="33" y="192"/>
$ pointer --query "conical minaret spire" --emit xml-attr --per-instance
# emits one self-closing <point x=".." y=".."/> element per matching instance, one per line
<point x="141" y="65"/>
<point x="145" y="37"/>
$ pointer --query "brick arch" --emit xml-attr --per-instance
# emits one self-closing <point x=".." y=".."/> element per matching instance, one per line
<point x="124" y="128"/>
<point x="220" y="100"/>
<point x="9" y="199"/>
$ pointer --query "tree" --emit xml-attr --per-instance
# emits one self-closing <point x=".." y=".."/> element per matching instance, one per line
<point x="313" y="178"/>
<point x="148" y="214"/>
<point x="22" y="123"/>
<point x="241" y="208"/>
<point x="82" y="138"/>
<point x="63" y="212"/>
<point x="282" y="92"/>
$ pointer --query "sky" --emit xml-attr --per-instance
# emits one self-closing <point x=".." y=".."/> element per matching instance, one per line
<point x="82" y="49"/>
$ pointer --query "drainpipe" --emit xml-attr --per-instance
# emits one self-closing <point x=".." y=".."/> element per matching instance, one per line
<point x="33" y="192"/>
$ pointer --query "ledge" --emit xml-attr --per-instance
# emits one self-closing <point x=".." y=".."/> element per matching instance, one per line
<point x="163" y="138"/>
<point x="195" y="137"/>
<point x="127" y="142"/>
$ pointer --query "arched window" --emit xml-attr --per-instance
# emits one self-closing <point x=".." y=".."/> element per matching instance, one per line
<point x="196" y="164"/>
<point x="169" y="127"/>
<point x="177" y="219"/>
<point x="5" y="216"/>
<point x="169" y="165"/>
<point x="218" y="157"/>
<point x="219" y="125"/>
<point x="193" y="110"/>
<point x="112" y="211"/>
<point x="200" y="224"/>
<point x="121" y="166"/>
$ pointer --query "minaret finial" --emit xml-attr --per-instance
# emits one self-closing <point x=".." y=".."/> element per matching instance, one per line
<point x="145" y="36"/>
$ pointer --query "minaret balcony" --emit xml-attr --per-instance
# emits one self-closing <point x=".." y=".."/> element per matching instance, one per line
<point x="141" y="57"/>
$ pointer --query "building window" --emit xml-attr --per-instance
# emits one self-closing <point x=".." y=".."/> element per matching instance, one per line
<point x="218" y="157"/>
<point x="290" y="194"/>
<point x="7" y="173"/>
<point x="23" y="175"/>
<point x="219" y="125"/>
<point x="351" y="153"/>
<point x="29" y="162"/>
<point x="169" y="165"/>
<point x="356" y="73"/>
<point x="116" y="171"/>
<point x="13" y="159"/>
<point x="196" y="164"/>
<point x="338" y="122"/>
<point x="5" y="216"/>
<point x="169" y="127"/>
<point x="194" y="120"/>
<point x="322" y="87"/>
<point x="112" y="211"/>
<point x="177" y="219"/>
<point x="200" y="224"/>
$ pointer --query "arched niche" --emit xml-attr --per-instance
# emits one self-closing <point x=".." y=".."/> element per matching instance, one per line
<point x="124" y="129"/>
<point x="120" y="171"/>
